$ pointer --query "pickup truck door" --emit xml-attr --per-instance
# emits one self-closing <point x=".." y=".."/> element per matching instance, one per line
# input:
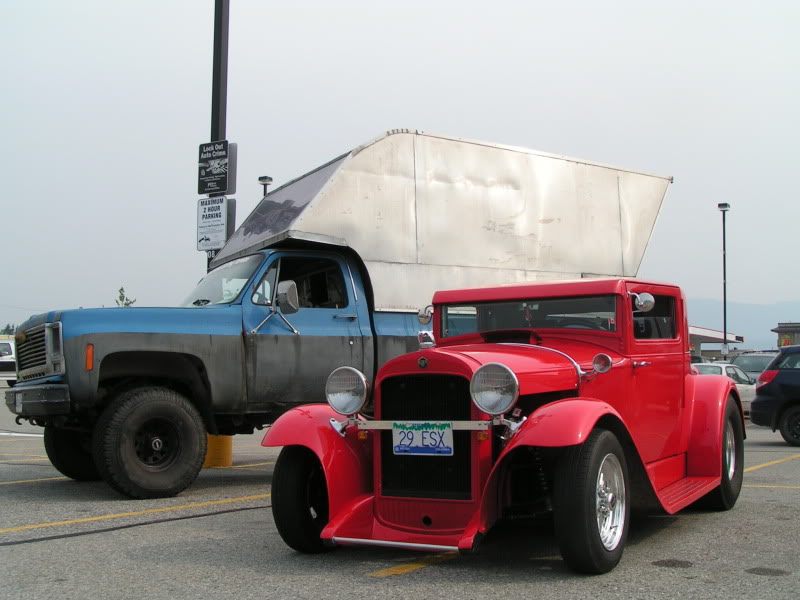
<point x="659" y="364"/>
<point x="285" y="368"/>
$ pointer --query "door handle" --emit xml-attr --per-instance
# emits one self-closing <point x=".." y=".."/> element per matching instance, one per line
<point x="341" y="316"/>
<point x="641" y="363"/>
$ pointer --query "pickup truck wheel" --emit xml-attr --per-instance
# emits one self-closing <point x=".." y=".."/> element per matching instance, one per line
<point x="300" y="499"/>
<point x="11" y="382"/>
<point x="150" y="442"/>
<point x="790" y="426"/>
<point x="591" y="508"/>
<point x="71" y="453"/>
<point x="725" y="496"/>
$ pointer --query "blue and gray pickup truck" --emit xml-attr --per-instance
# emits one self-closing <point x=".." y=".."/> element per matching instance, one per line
<point x="328" y="270"/>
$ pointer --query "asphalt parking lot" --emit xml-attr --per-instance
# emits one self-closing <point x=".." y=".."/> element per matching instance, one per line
<point x="62" y="539"/>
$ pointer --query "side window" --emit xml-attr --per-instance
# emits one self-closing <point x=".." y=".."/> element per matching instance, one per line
<point x="319" y="281"/>
<point x="789" y="361"/>
<point x="262" y="294"/>
<point x="659" y="323"/>
<point x="736" y="375"/>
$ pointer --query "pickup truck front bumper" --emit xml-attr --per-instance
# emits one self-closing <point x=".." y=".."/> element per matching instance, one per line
<point x="39" y="400"/>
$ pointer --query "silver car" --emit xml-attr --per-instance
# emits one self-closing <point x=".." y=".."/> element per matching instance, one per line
<point x="744" y="383"/>
<point x="8" y="362"/>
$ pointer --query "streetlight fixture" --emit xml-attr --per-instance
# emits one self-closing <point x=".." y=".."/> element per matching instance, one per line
<point x="723" y="208"/>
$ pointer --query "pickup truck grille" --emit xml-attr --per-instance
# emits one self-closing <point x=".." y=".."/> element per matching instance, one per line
<point x="40" y="354"/>
<point x="426" y="398"/>
<point x="32" y="352"/>
<point x="8" y="366"/>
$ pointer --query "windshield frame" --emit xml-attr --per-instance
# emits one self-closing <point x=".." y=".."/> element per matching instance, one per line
<point x="257" y="259"/>
<point x="616" y="332"/>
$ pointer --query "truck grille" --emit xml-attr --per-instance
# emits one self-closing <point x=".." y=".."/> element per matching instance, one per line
<point x="426" y="398"/>
<point x="32" y="353"/>
<point x="40" y="355"/>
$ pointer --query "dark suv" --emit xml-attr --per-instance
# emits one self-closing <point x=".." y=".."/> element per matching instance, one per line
<point x="777" y="401"/>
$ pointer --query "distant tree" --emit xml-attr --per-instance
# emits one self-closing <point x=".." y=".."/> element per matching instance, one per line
<point x="123" y="300"/>
<point x="9" y="329"/>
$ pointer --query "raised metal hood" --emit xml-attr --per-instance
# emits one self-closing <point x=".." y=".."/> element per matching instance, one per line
<point x="428" y="212"/>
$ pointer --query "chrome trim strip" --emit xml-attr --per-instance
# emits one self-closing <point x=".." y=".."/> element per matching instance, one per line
<point x="352" y="282"/>
<point x="580" y="372"/>
<point x="457" y="425"/>
<point x="388" y="544"/>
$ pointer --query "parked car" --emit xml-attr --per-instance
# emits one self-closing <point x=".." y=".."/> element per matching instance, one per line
<point x="571" y="399"/>
<point x="744" y="383"/>
<point x="8" y="362"/>
<point x="753" y="363"/>
<point x="777" y="401"/>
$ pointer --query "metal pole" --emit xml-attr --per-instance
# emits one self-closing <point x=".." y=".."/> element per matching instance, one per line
<point x="724" y="291"/>
<point x="219" y="83"/>
<point x="219" y="87"/>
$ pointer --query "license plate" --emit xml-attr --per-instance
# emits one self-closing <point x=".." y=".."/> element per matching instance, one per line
<point x="18" y="402"/>
<point x="433" y="438"/>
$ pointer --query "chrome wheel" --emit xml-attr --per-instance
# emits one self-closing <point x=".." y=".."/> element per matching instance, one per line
<point x="729" y="450"/>
<point x="610" y="502"/>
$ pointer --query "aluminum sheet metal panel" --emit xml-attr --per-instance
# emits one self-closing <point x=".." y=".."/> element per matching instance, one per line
<point x="428" y="212"/>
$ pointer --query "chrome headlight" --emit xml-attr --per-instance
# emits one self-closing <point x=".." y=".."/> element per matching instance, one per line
<point x="494" y="389"/>
<point x="346" y="390"/>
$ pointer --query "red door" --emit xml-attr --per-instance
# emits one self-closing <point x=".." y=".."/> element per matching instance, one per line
<point x="658" y="351"/>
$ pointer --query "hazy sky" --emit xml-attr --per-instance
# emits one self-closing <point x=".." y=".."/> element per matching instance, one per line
<point x="105" y="103"/>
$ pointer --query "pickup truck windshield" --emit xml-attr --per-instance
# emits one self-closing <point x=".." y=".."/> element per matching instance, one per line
<point x="587" y="312"/>
<point x="223" y="284"/>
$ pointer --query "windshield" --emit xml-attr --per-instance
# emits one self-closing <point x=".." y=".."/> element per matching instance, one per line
<point x="5" y="349"/>
<point x="708" y="369"/>
<point x="223" y="284"/>
<point x="589" y="312"/>
<point x="756" y="363"/>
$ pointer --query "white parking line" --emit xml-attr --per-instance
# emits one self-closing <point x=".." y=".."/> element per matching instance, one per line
<point x="38" y="435"/>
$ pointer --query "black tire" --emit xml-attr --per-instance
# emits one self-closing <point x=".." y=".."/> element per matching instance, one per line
<point x="150" y="442"/>
<point x="71" y="453"/>
<point x="790" y="425"/>
<point x="300" y="499"/>
<point x="725" y="496"/>
<point x="11" y="382"/>
<point x="587" y="545"/>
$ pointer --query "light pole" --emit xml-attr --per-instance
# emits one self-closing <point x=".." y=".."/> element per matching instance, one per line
<point x="724" y="207"/>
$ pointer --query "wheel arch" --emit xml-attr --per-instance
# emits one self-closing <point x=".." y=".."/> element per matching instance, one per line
<point x="181" y="372"/>
<point x="709" y="403"/>
<point x="346" y="461"/>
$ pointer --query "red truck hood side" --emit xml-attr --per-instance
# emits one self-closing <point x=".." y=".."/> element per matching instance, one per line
<point x="538" y="368"/>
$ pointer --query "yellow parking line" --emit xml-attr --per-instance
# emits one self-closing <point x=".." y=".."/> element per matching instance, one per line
<point x="137" y="513"/>
<point x="245" y="466"/>
<point x="782" y="487"/>
<point x="413" y="566"/>
<point x="36" y="455"/>
<point x="32" y="480"/>
<point x="773" y="462"/>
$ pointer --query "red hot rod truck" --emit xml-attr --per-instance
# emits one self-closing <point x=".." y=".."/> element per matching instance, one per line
<point x="575" y="398"/>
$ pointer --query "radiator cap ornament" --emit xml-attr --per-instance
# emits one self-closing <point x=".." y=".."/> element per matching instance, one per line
<point x="423" y="363"/>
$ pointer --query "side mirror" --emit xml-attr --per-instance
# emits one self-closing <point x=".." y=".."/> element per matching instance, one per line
<point x="287" y="299"/>
<point x="643" y="302"/>
<point x="425" y="315"/>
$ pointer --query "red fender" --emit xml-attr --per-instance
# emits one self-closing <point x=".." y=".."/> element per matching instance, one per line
<point x="346" y="461"/>
<point x="563" y="423"/>
<point x="703" y="458"/>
